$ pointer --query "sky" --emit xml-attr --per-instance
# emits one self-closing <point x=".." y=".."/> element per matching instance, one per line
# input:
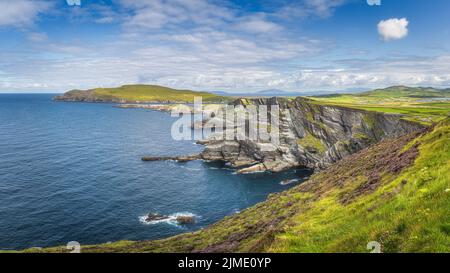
<point x="218" y="45"/>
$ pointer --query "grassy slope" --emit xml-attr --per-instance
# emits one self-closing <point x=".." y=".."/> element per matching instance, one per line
<point x="409" y="101"/>
<point x="146" y="93"/>
<point x="396" y="192"/>
<point x="408" y="212"/>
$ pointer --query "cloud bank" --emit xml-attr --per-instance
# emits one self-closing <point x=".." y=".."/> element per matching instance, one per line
<point x="205" y="45"/>
<point x="20" y="13"/>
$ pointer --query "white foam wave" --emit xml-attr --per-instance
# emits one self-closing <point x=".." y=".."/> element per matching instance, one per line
<point x="191" y="169"/>
<point x="171" y="219"/>
<point x="253" y="172"/>
<point x="287" y="182"/>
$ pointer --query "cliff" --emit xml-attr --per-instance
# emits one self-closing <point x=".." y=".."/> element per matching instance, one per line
<point x="311" y="135"/>
<point x="396" y="193"/>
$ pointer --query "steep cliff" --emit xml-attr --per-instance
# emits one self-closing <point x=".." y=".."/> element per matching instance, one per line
<point x="310" y="135"/>
<point x="396" y="193"/>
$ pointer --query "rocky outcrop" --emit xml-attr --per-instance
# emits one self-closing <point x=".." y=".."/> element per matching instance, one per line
<point x="151" y="217"/>
<point x="310" y="135"/>
<point x="154" y="107"/>
<point x="185" y="220"/>
<point x="180" y="219"/>
<point x="174" y="158"/>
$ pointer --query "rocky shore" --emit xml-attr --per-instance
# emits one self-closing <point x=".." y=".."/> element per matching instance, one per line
<point x="155" y="107"/>
<point x="311" y="135"/>
<point x="173" y="158"/>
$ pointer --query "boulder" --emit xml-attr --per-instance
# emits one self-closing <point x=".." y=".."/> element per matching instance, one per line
<point x="155" y="217"/>
<point x="185" y="220"/>
<point x="175" y="158"/>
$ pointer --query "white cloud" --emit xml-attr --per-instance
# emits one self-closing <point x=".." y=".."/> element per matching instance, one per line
<point x="323" y="7"/>
<point x="231" y="64"/>
<point x="21" y="13"/>
<point x="38" y="37"/>
<point x="370" y="73"/>
<point x="309" y="8"/>
<point x="393" y="29"/>
<point x="157" y="14"/>
<point x="201" y="45"/>
<point x="257" y="24"/>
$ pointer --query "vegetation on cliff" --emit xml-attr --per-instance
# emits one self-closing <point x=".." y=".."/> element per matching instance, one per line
<point x="311" y="142"/>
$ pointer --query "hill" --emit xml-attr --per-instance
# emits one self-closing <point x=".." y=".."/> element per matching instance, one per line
<point x="283" y="93"/>
<point x="407" y="92"/>
<point x="391" y="94"/>
<point x="138" y="93"/>
<point x="262" y="93"/>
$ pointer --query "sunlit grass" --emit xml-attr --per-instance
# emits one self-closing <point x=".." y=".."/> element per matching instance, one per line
<point x="413" y="103"/>
<point x="411" y="217"/>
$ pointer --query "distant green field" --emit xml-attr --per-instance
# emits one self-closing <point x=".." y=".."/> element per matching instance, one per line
<point x="407" y="92"/>
<point x="425" y="105"/>
<point x="139" y="93"/>
<point x="392" y="94"/>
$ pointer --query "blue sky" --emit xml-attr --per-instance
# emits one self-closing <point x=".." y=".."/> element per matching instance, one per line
<point x="235" y="46"/>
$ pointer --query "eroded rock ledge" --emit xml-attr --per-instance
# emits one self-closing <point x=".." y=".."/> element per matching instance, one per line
<point x="174" y="158"/>
<point x="311" y="135"/>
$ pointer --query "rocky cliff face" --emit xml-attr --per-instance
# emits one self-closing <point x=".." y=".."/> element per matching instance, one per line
<point x="310" y="135"/>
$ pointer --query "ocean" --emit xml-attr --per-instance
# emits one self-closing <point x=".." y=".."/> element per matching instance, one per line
<point x="73" y="172"/>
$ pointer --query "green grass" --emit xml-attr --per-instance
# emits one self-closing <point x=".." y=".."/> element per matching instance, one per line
<point x="144" y="93"/>
<point x="407" y="101"/>
<point x="404" y="218"/>
<point x="402" y="92"/>
<point x="311" y="142"/>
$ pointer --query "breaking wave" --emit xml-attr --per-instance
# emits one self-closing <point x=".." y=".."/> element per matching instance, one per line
<point x="170" y="219"/>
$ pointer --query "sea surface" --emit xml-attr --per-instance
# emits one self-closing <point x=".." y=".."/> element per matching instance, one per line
<point x="72" y="172"/>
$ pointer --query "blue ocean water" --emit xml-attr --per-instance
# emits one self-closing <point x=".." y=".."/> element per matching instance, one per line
<point x="72" y="172"/>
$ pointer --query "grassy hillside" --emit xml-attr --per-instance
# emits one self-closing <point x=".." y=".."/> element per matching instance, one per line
<point x="407" y="92"/>
<point x="392" y="94"/>
<point x="138" y="93"/>
<point x="424" y="105"/>
<point x="405" y="208"/>
<point x="396" y="193"/>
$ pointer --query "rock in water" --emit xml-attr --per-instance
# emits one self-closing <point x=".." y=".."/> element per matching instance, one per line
<point x="155" y="217"/>
<point x="184" y="220"/>
<point x="175" y="158"/>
